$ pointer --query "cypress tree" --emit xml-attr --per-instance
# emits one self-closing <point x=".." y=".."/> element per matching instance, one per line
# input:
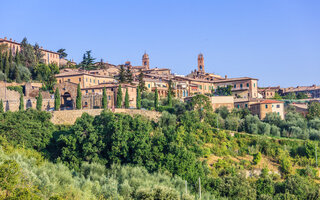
<point x="17" y="58"/>
<point x="126" y="99"/>
<point x="142" y="85"/>
<point x="21" y="106"/>
<point x="138" y="98"/>
<point x="16" y="74"/>
<point x="10" y="57"/>
<point x="170" y="94"/>
<point x="79" y="98"/>
<point x="1" y="106"/>
<point x="156" y="99"/>
<point x="39" y="101"/>
<point x="122" y="74"/>
<point x="104" y="99"/>
<point x="119" y="97"/>
<point x="6" y="66"/>
<point x="57" y="100"/>
<point x="1" y="62"/>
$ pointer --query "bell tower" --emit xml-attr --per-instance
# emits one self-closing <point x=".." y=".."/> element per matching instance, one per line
<point x="200" y="64"/>
<point x="145" y="61"/>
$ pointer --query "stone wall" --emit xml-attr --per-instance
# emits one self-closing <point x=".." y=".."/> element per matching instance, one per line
<point x="68" y="117"/>
<point x="13" y="105"/>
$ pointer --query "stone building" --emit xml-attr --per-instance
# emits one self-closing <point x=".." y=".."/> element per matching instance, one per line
<point x="83" y="77"/>
<point x="261" y="109"/>
<point x="244" y="87"/>
<point x="268" y="92"/>
<point x="311" y="91"/>
<point x="48" y="57"/>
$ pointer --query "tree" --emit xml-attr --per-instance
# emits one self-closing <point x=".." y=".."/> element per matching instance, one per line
<point x="138" y="98"/>
<point x="277" y="96"/>
<point x="313" y="110"/>
<point x="224" y="91"/>
<point x="38" y="53"/>
<point x="46" y="74"/>
<point x="122" y="75"/>
<point x="27" y="54"/>
<point x="79" y="98"/>
<point x="87" y="61"/>
<point x="142" y="84"/>
<point x="39" y="101"/>
<point x="21" y="106"/>
<point x="290" y="95"/>
<point x="126" y="99"/>
<point x="170" y="93"/>
<point x="62" y="53"/>
<point x="9" y="175"/>
<point x="104" y="99"/>
<point x="1" y="106"/>
<point x="302" y="95"/>
<point x="156" y="99"/>
<point x="256" y="158"/>
<point x="119" y="97"/>
<point x="57" y="100"/>
<point x="129" y="77"/>
<point x="17" y="57"/>
<point x="6" y="65"/>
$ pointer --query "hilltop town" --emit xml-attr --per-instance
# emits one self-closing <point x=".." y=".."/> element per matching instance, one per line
<point x="49" y="71"/>
<point x="95" y="130"/>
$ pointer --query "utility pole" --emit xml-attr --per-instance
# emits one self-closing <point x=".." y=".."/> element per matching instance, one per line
<point x="199" y="188"/>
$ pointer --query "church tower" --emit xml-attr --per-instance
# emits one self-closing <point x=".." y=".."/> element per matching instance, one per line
<point x="145" y="61"/>
<point x="200" y="64"/>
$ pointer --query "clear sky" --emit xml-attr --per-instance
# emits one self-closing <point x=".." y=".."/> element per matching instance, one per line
<point x="276" y="41"/>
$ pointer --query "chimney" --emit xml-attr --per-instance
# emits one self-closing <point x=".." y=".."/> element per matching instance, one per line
<point x="10" y="39"/>
<point x="5" y="38"/>
<point x="41" y="47"/>
<point x="226" y="77"/>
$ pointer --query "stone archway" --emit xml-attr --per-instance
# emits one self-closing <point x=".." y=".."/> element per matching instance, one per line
<point x="67" y="103"/>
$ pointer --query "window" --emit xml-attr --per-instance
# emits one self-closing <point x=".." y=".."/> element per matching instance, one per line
<point x="205" y="87"/>
<point x="92" y="90"/>
<point x="94" y="81"/>
<point x="86" y="79"/>
<point x="98" y="81"/>
<point x="90" y="80"/>
<point x="235" y="86"/>
<point x="241" y="85"/>
<point x="246" y="105"/>
<point x="148" y="85"/>
<point x="247" y="84"/>
<point x="109" y="97"/>
<point x="59" y="81"/>
<point x="266" y="106"/>
<point x="87" y="91"/>
<point x="238" y="106"/>
<point x="200" y="87"/>
<point x="79" y="79"/>
<point x="278" y="106"/>
<point x="68" y="80"/>
<point x="254" y="85"/>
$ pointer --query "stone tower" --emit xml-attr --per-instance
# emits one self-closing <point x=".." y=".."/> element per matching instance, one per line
<point x="200" y="63"/>
<point x="145" y="61"/>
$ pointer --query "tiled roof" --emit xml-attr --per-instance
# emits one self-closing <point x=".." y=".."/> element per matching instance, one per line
<point x="234" y="79"/>
<point x="270" y="101"/>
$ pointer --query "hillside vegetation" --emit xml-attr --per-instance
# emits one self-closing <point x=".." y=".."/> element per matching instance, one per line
<point x="117" y="156"/>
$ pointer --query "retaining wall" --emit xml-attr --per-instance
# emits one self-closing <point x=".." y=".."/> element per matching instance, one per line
<point x="68" y="117"/>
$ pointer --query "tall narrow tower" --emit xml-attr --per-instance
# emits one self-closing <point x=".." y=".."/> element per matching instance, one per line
<point x="145" y="61"/>
<point x="200" y="63"/>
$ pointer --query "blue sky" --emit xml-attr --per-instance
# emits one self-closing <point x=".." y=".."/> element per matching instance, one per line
<point x="276" y="41"/>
